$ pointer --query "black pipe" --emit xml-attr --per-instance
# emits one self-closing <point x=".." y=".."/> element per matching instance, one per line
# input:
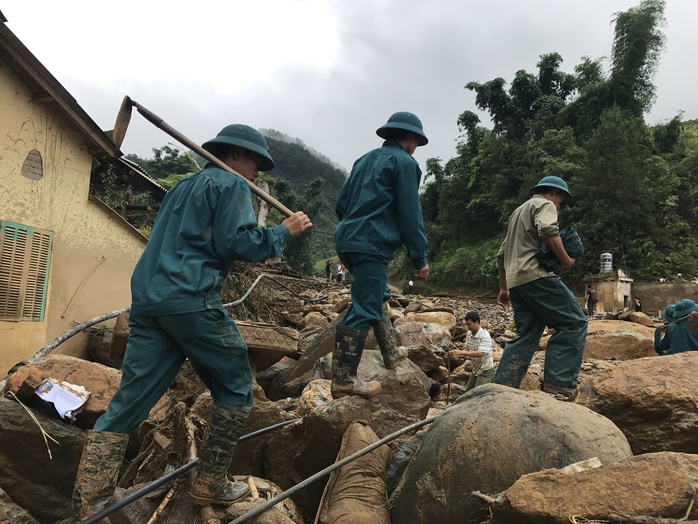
<point x="171" y="476"/>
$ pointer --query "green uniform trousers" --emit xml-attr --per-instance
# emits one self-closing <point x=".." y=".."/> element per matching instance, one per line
<point x="478" y="380"/>
<point x="537" y="304"/>
<point x="369" y="289"/>
<point x="158" y="346"/>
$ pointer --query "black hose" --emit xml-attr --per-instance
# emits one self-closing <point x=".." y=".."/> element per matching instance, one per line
<point x="283" y="496"/>
<point x="171" y="476"/>
<point x="65" y="336"/>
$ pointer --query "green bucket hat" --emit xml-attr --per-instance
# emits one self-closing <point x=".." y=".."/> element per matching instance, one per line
<point x="557" y="183"/>
<point x="682" y="308"/>
<point x="406" y="121"/>
<point x="246" y="137"/>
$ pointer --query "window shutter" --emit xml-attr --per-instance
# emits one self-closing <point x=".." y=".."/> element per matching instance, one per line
<point x="25" y="258"/>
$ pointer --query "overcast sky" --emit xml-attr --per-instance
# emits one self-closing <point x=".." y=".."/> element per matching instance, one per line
<point x="327" y="72"/>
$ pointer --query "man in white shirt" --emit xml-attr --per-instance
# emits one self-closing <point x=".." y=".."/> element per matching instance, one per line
<point x="478" y="345"/>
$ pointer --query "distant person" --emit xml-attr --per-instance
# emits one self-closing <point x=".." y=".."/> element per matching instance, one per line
<point x="328" y="270"/>
<point x="379" y="211"/>
<point x="677" y="338"/>
<point x="637" y="304"/>
<point x="539" y="298"/>
<point x="410" y="285"/>
<point x="679" y="278"/>
<point x="478" y="344"/>
<point x="340" y="273"/>
<point x="591" y="299"/>
<point x="206" y="223"/>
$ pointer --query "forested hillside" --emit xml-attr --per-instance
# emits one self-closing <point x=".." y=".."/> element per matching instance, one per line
<point x="302" y="179"/>
<point x="636" y="186"/>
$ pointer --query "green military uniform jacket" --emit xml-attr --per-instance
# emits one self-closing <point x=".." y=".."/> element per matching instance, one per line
<point x="204" y="225"/>
<point x="677" y="339"/>
<point x="378" y="206"/>
<point x="528" y="225"/>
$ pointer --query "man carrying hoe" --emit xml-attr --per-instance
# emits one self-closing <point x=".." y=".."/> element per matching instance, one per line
<point x="205" y="224"/>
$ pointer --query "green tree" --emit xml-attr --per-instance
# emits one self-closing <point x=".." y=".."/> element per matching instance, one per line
<point x="625" y="196"/>
<point x="170" y="160"/>
<point x="637" y="44"/>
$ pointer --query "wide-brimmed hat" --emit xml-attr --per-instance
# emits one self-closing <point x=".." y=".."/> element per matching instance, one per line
<point x="246" y="137"/>
<point x="556" y="182"/>
<point x="682" y="308"/>
<point x="406" y="121"/>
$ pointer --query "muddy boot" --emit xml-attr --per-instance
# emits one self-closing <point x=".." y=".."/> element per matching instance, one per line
<point x="385" y="336"/>
<point x="99" y="466"/>
<point x="560" y="393"/>
<point x="212" y="485"/>
<point x="348" y="347"/>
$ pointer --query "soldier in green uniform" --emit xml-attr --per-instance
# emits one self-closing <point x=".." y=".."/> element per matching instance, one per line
<point x="205" y="224"/>
<point x="379" y="210"/>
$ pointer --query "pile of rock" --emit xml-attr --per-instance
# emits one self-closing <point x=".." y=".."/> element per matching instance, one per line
<point x="494" y="454"/>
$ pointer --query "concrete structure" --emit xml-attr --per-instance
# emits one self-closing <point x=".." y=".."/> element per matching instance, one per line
<point x="65" y="257"/>
<point x="614" y="290"/>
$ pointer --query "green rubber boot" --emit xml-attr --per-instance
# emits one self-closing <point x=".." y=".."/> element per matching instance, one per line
<point x="212" y="485"/>
<point x="385" y="336"/>
<point x="99" y="466"/>
<point x="348" y="348"/>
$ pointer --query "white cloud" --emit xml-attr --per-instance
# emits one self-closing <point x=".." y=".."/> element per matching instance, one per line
<point x="327" y="71"/>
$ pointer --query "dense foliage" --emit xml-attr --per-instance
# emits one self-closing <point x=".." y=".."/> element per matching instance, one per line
<point x="635" y="185"/>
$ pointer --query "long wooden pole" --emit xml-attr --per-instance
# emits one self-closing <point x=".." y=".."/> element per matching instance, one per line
<point x="161" y="124"/>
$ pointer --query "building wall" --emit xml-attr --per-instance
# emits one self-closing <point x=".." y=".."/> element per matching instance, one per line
<point x="655" y="296"/>
<point x="94" y="250"/>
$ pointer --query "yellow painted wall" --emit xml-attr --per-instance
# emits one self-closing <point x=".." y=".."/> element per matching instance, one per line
<point x="84" y="232"/>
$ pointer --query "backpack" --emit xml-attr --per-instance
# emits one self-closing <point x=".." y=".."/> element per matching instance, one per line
<point x="593" y="298"/>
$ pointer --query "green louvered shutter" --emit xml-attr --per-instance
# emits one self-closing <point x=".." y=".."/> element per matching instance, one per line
<point x="25" y="258"/>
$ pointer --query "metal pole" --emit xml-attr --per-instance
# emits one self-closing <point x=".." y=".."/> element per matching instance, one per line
<point x="283" y="496"/>
<point x="171" y="476"/>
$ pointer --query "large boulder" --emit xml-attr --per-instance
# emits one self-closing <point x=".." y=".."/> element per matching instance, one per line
<point x="652" y="400"/>
<point x="489" y="438"/>
<point x="619" y="340"/>
<point x="99" y="380"/>
<point x="36" y="475"/>
<point x="403" y="399"/>
<point x="654" y="484"/>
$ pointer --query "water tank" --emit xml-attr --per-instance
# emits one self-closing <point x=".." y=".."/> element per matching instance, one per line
<point x="606" y="262"/>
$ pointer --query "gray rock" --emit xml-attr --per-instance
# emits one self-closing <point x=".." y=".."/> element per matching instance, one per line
<point x="489" y="438"/>
<point x="41" y="485"/>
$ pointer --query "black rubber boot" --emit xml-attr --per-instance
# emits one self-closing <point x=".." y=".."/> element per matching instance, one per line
<point x="212" y="485"/>
<point x="385" y="336"/>
<point x="348" y="347"/>
<point x="99" y="466"/>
